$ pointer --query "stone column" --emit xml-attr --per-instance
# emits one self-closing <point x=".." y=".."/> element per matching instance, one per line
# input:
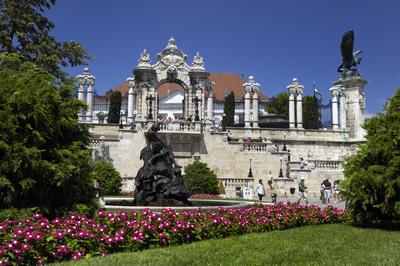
<point x="144" y="103"/>
<point x="130" y="99"/>
<point x="81" y="95"/>
<point x="210" y="115"/>
<point x="89" y="99"/>
<point x="335" y="112"/>
<point x="247" y="110"/>
<point x="139" y="105"/>
<point x="255" y="109"/>
<point x="299" y="103"/>
<point x="343" y="119"/>
<point x="291" y="110"/>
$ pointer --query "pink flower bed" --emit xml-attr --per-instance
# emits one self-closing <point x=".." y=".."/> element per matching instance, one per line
<point x="204" y="196"/>
<point x="37" y="240"/>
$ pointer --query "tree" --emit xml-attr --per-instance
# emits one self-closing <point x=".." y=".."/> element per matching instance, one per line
<point x="25" y="31"/>
<point x="200" y="179"/>
<point x="114" y="111"/>
<point x="109" y="178"/>
<point x="372" y="184"/>
<point x="279" y="104"/>
<point x="311" y="113"/>
<point x="229" y="110"/>
<point x="44" y="159"/>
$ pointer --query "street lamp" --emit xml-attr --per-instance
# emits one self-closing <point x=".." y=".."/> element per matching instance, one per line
<point x="150" y="99"/>
<point x="280" y="170"/>
<point x="284" y="142"/>
<point x="120" y="119"/>
<point x="250" y="171"/>
<point x="196" y="101"/>
<point x="224" y="123"/>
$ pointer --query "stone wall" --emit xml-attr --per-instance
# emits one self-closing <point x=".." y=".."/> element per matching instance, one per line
<point x="323" y="152"/>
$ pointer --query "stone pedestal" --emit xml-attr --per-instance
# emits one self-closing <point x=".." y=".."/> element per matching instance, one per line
<point x="353" y="105"/>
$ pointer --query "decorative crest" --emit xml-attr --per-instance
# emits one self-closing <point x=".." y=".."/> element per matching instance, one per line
<point x="144" y="60"/>
<point x="198" y="63"/>
<point x="251" y="85"/>
<point x="171" y="43"/>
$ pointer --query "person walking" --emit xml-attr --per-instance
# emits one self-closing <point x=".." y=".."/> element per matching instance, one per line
<point x="260" y="190"/>
<point x="322" y="190"/>
<point x="302" y="191"/>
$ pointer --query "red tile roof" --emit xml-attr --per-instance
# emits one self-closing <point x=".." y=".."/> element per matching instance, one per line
<point x="224" y="83"/>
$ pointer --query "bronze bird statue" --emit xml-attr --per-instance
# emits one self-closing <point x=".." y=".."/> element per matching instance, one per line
<point x="349" y="58"/>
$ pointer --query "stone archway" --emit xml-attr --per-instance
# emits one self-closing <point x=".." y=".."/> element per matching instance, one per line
<point x="171" y="67"/>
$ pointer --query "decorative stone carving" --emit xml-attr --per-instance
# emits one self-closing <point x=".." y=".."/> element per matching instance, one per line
<point x="198" y="63"/>
<point x="171" y="56"/>
<point x="144" y="60"/>
<point x="362" y="100"/>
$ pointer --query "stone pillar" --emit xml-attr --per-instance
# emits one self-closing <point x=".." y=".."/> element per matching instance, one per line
<point x="144" y="103"/>
<point x="210" y="115"/>
<point x="247" y="110"/>
<point x="299" y="111"/>
<point x="335" y="112"/>
<point x="139" y="106"/>
<point x="343" y="123"/>
<point x="131" y="83"/>
<point x="255" y="109"/>
<point x="89" y="99"/>
<point x="352" y="92"/>
<point x="251" y="87"/>
<point x="80" y="95"/>
<point x="291" y="110"/>
<point x="295" y="88"/>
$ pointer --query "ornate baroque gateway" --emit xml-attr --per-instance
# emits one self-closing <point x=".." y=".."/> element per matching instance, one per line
<point x="187" y="103"/>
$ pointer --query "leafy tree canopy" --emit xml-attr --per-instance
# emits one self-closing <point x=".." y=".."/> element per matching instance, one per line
<point x="200" y="179"/>
<point x="372" y="185"/>
<point x="44" y="160"/>
<point x="279" y="104"/>
<point x="25" y="31"/>
<point x="311" y="113"/>
<point x="229" y="110"/>
<point x="114" y="110"/>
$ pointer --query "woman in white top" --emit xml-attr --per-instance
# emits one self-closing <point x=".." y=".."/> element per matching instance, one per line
<point x="260" y="190"/>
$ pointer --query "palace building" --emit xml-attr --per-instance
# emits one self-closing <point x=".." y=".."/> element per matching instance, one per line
<point x="187" y="102"/>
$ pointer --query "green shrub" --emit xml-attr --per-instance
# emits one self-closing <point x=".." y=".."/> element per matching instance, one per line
<point x="17" y="214"/>
<point x="109" y="178"/>
<point x="200" y="179"/>
<point x="372" y="185"/>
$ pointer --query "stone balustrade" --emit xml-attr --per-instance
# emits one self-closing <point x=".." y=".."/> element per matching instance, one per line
<point x="181" y="126"/>
<point x="257" y="147"/>
<point x="236" y="182"/>
<point x="326" y="164"/>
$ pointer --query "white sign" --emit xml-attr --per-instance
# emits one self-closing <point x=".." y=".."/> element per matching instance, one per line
<point x="247" y="193"/>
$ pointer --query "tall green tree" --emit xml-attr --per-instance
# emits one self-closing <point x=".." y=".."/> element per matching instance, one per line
<point x="279" y="104"/>
<point x="114" y="110"/>
<point x="229" y="110"/>
<point x="44" y="159"/>
<point x="25" y="31"/>
<point x="200" y="179"/>
<point x="311" y="113"/>
<point x="372" y="185"/>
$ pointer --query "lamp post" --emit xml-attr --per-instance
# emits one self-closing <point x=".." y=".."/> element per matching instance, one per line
<point x="120" y="119"/>
<point x="224" y="123"/>
<point x="284" y="142"/>
<point x="280" y="170"/>
<point x="196" y="101"/>
<point x="150" y="99"/>
<point x="250" y="171"/>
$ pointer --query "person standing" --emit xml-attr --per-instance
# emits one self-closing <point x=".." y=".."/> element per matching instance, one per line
<point x="260" y="190"/>
<point x="301" y="163"/>
<point x="322" y="192"/>
<point x="302" y="191"/>
<point x="270" y="180"/>
<point x="327" y="191"/>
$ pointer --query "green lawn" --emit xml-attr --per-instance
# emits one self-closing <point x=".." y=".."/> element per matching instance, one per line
<point x="335" y="244"/>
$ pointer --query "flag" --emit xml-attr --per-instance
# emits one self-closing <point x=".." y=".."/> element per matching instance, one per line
<point x="317" y="94"/>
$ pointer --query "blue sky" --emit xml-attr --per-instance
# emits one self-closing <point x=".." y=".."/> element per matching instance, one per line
<point x="274" y="41"/>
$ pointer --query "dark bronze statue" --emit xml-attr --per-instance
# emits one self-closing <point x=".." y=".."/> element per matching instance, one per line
<point x="159" y="181"/>
<point x="349" y="58"/>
